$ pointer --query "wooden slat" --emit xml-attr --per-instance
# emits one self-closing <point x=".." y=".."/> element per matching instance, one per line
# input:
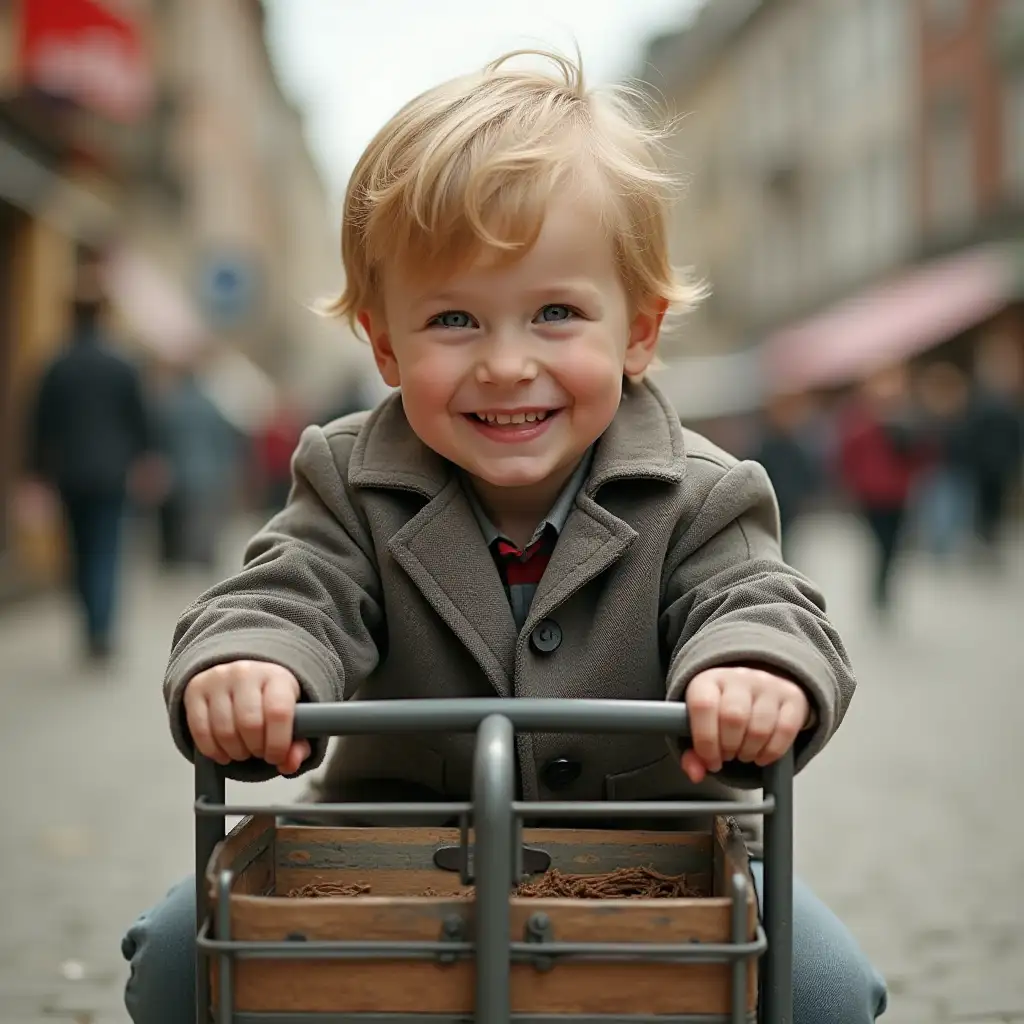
<point x="413" y="849"/>
<point x="381" y="917"/>
<point x="415" y="987"/>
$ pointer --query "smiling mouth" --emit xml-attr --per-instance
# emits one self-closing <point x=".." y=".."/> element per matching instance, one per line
<point x="511" y="419"/>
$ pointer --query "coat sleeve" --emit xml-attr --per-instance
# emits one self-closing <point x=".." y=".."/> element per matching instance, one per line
<point x="307" y="598"/>
<point x="729" y="599"/>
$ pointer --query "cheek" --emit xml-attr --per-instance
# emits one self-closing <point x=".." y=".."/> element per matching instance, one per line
<point x="429" y="382"/>
<point x="593" y="376"/>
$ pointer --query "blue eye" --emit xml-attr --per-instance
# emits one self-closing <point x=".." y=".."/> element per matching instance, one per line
<point x="555" y="313"/>
<point x="452" y="318"/>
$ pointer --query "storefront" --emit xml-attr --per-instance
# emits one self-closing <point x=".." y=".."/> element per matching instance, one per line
<point x="65" y="67"/>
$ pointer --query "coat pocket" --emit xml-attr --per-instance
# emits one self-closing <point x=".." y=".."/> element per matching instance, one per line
<point x="656" y="780"/>
<point x="664" y="779"/>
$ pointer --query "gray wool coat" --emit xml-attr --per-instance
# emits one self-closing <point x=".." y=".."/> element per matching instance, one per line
<point x="375" y="582"/>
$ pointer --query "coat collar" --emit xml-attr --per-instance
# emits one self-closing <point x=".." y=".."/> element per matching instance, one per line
<point x="643" y="441"/>
<point x="457" y="575"/>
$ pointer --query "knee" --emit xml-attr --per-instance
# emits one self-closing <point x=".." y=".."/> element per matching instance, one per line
<point x="833" y="980"/>
<point x="160" y="949"/>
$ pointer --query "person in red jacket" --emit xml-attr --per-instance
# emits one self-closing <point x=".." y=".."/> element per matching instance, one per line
<point x="882" y="451"/>
<point x="273" y="450"/>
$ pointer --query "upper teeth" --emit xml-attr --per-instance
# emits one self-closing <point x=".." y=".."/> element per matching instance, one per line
<point x="503" y="418"/>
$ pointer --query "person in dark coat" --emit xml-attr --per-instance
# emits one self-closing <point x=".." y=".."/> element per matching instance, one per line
<point x="944" y="494"/>
<point x="793" y="466"/>
<point x="89" y="430"/>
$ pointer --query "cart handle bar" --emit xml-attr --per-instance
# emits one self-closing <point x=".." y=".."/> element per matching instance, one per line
<point x="464" y="714"/>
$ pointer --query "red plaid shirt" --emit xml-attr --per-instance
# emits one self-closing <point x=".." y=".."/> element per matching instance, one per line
<point x="521" y="569"/>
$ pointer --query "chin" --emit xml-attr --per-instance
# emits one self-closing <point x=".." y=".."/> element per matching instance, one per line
<point x="513" y="478"/>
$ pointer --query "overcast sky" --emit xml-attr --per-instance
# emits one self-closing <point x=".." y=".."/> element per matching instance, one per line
<point x="350" y="64"/>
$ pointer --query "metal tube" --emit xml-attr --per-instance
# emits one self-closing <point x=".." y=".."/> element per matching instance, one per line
<point x="379" y="810"/>
<point x="667" y="718"/>
<point x="689" y="952"/>
<point x="225" y="976"/>
<point x="638" y="808"/>
<point x="777" y="975"/>
<point x="738" y="928"/>
<point x="494" y="779"/>
<point x="209" y="831"/>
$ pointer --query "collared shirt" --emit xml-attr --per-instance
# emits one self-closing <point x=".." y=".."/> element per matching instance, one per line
<point x="521" y="569"/>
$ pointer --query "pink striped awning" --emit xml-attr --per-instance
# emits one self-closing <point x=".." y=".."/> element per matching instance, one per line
<point x="892" y="322"/>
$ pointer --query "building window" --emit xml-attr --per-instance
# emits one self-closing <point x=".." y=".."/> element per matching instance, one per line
<point x="1013" y="134"/>
<point x="951" y="164"/>
<point x="946" y="16"/>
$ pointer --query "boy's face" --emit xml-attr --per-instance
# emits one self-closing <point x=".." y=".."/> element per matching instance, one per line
<point x="512" y="371"/>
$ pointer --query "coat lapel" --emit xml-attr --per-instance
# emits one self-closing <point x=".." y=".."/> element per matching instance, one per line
<point x="644" y="441"/>
<point x="443" y="551"/>
<point x="440" y="548"/>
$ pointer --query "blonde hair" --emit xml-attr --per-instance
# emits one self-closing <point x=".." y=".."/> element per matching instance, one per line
<point x="471" y="164"/>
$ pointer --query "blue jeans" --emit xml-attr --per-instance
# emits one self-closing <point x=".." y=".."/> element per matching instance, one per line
<point x="94" y="523"/>
<point x="833" y="982"/>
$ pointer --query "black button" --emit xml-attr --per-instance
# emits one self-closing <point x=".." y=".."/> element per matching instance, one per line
<point x="561" y="773"/>
<point x="546" y="636"/>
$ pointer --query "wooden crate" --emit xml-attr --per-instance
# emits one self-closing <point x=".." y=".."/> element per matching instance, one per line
<point x="270" y="860"/>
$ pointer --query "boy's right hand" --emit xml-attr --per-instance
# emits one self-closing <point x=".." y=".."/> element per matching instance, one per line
<point x="245" y="709"/>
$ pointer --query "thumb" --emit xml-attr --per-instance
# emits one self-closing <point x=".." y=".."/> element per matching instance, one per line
<point x="297" y="754"/>
<point x="694" y="767"/>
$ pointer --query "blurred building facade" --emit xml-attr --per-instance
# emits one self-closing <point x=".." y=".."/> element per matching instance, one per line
<point x="157" y="129"/>
<point x="835" y="153"/>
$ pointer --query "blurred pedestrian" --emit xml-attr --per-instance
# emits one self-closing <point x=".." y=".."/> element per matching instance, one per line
<point x="944" y="500"/>
<point x="91" y="439"/>
<point x="786" y="452"/>
<point x="882" y="452"/>
<point x="202" y="450"/>
<point x="274" y="446"/>
<point x="996" y="432"/>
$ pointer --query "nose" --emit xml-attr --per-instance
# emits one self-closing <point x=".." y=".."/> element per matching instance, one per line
<point x="505" y="358"/>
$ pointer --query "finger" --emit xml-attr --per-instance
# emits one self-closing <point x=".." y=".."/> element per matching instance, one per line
<point x="702" y="703"/>
<point x="791" y="717"/>
<point x="247" y="700"/>
<point x="279" y="696"/>
<point x="693" y="766"/>
<point x="295" y="758"/>
<point x="197" y="713"/>
<point x="733" y="719"/>
<point x="764" y="716"/>
<point x="222" y="721"/>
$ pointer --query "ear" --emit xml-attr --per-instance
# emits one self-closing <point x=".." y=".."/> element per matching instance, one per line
<point x="643" y="338"/>
<point x="380" y="342"/>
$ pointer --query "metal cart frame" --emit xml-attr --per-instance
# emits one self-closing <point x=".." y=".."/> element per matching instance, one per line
<point x="497" y="818"/>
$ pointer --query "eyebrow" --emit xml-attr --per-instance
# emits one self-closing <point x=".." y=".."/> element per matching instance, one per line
<point x="547" y="291"/>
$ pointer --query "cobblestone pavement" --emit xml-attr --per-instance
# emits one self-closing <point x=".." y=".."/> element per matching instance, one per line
<point x="908" y="825"/>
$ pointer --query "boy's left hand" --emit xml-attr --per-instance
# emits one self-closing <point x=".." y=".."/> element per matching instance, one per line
<point x="741" y="714"/>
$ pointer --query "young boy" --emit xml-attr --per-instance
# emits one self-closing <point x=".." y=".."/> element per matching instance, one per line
<point x="525" y="517"/>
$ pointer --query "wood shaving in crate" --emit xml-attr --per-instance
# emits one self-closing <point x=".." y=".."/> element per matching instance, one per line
<point x="623" y="883"/>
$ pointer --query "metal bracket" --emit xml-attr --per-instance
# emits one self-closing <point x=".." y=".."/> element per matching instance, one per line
<point x="537" y="932"/>
<point x="453" y="929"/>
<point x="456" y="859"/>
